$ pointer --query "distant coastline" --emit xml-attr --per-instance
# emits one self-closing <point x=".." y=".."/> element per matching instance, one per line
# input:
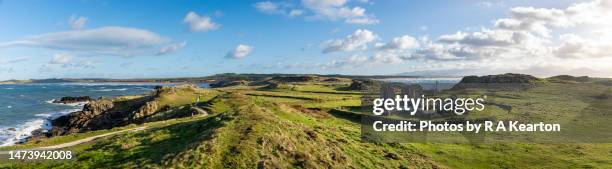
<point x="203" y="79"/>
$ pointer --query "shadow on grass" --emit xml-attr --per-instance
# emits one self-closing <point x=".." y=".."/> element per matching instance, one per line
<point x="153" y="146"/>
<point x="286" y="97"/>
<point x="347" y="115"/>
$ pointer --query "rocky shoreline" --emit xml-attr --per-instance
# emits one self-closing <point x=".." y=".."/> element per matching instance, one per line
<point x="106" y="113"/>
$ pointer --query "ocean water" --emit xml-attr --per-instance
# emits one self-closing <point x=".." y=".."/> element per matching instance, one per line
<point x="27" y="107"/>
<point x="428" y="83"/>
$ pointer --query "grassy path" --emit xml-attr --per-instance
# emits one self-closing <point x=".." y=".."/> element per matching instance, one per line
<point x="76" y="142"/>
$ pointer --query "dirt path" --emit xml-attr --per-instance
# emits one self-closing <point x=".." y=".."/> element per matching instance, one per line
<point x="77" y="142"/>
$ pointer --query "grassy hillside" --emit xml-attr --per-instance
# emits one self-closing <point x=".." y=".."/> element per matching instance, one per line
<point x="313" y="125"/>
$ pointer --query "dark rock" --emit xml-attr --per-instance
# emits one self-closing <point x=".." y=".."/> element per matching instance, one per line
<point x="364" y="84"/>
<point x="104" y="113"/>
<point x="332" y="80"/>
<point x="502" y="78"/>
<point x="148" y="109"/>
<point x="37" y="135"/>
<point x="90" y="118"/>
<point x="502" y="81"/>
<point x="68" y="99"/>
<point x="228" y="83"/>
<point x="271" y="86"/>
<point x="11" y="129"/>
<point x="261" y="83"/>
<point x="393" y="156"/>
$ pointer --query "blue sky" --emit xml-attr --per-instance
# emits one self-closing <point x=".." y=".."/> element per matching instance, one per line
<point x="140" y="39"/>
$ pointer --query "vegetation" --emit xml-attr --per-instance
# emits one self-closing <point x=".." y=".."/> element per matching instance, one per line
<point x="314" y="124"/>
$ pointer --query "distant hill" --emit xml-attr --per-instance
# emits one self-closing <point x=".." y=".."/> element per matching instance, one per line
<point x="204" y="79"/>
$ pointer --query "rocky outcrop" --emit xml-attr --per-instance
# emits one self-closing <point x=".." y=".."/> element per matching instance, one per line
<point x="70" y="100"/>
<point x="228" y="83"/>
<point x="105" y="113"/>
<point x="93" y="116"/>
<point x="502" y="78"/>
<point x="173" y="89"/>
<point x="146" y="110"/>
<point x="364" y="84"/>
<point x="502" y="81"/>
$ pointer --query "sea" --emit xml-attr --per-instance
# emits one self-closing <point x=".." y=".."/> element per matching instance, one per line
<point x="428" y="83"/>
<point x="28" y="107"/>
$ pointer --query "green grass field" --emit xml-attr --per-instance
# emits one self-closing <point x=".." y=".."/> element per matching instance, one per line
<point x="312" y="125"/>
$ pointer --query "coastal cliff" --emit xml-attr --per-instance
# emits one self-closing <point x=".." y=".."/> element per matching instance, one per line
<point x="505" y="81"/>
<point x="105" y="113"/>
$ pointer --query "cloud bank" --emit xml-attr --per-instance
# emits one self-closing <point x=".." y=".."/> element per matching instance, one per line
<point x="199" y="23"/>
<point x="241" y="51"/>
<point x="331" y="10"/>
<point x="118" y="41"/>
<point x="544" y="41"/>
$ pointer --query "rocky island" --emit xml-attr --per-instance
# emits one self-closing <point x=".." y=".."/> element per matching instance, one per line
<point x="73" y="100"/>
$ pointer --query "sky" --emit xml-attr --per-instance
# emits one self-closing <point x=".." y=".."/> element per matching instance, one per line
<point x="158" y="38"/>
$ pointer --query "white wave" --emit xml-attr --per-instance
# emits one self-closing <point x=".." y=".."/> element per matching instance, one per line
<point x="68" y="104"/>
<point x="16" y="134"/>
<point x="54" y="115"/>
<point x="50" y="101"/>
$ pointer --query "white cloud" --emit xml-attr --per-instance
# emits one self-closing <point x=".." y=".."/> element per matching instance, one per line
<point x="337" y="9"/>
<point x="171" y="48"/>
<point x="387" y="58"/>
<point x="485" y="37"/>
<point x="573" y="46"/>
<point x="529" y="32"/>
<point x="361" y="61"/>
<point x="268" y="7"/>
<point x="319" y="9"/>
<point x="61" y="58"/>
<point x="199" y="23"/>
<point x="67" y="61"/>
<point x="79" y="65"/>
<point x="358" y="40"/>
<point x="282" y="8"/>
<point x="121" y="41"/>
<point x="241" y="51"/>
<point x="400" y="43"/>
<point x="351" y="61"/>
<point x="539" y="41"/>
<point x="15" y="60"/>
<point x="540" y="21"/>
<point x="440" y="52"/>
<point x="77" y="23"/>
